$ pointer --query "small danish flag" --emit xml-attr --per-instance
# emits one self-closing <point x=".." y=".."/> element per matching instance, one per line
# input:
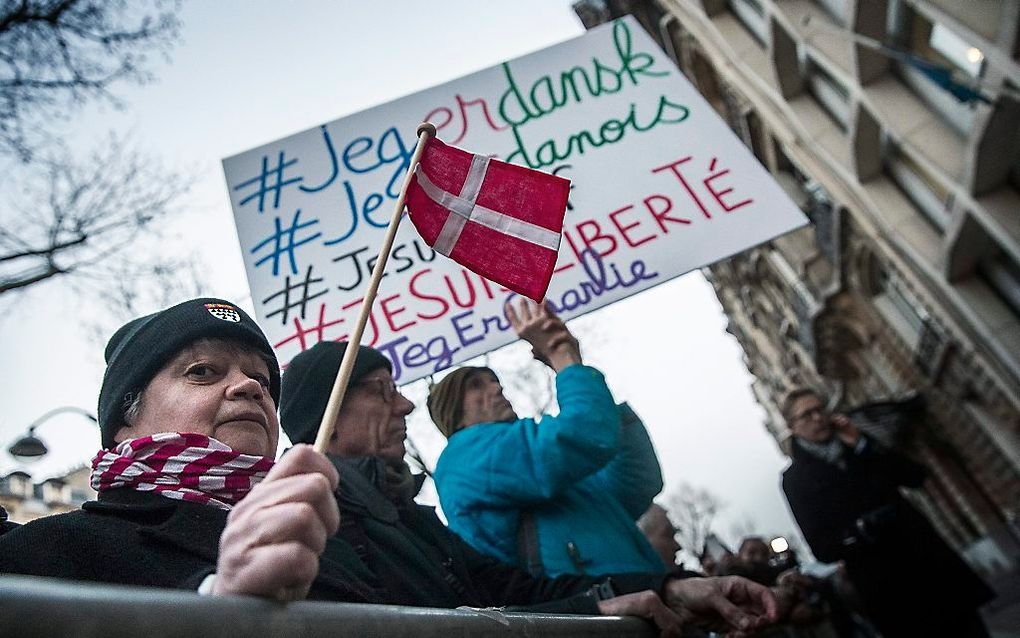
<point x="499" y="220"/>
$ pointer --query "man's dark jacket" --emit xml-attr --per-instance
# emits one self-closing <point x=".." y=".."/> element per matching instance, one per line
<point x="419" y="561"/>
<point x="139" y="538"/>
<point x="911" y="581"/>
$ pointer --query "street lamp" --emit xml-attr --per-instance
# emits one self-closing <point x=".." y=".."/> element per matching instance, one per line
<point x="779" y="545"/>
<point x="30" y="446"/>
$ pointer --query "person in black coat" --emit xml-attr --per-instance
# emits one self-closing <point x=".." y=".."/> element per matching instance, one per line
<point x="419" y="560"/>
<point x="143" y="539"/>
<point x="843" y="489"/>
<point x="189" y="495"/>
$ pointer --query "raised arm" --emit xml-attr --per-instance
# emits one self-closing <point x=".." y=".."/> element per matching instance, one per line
<point x="520" y="463"/>
<point x="513" y="464"/>
<point x="551" y="341"/>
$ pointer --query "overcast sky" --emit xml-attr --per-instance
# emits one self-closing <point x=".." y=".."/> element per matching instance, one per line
<point x="246" y="73"/>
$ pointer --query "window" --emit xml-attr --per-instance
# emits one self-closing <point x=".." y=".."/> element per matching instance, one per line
<point x="707" y="81"/>
<point x="838" y="10"/>
<point x="52" y="492"/>
<point x="1002" y="274"/>
<point x="956" y="50"/>
<point x="935" y="43"/>
<point x="833" y="96"/>
<point x="752" y="15"/>
<point x="1014" y="173"/>
<point x="81" y="495"/>
<point x="808" y="185"/>
<point x="1007" y="442"/>
<point x="19" y="486"/>
<point x="926" y="192"/>
<point x="757" y="135"/>
<point x="900" y="308"/>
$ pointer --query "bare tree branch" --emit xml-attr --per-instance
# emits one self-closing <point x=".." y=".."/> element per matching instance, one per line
<point x="693" y="510"/>
<point x="94" y="210"/>
<point x="57" y="54"/>
<point x="126" y="289"/>
<point x="39" y="252"/>
<point x="95" y="223"/>
<point x="743" y="527"/>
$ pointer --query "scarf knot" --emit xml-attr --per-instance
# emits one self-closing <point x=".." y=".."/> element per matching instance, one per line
<point x="183" y="466"/>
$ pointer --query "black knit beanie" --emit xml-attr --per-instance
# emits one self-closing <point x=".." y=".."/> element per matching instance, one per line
<point x="309" y="380"/>
<point x="141" y="347"/>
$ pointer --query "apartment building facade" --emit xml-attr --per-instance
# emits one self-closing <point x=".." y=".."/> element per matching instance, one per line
<point x="895" y="125"/>
<point x="26" y="500"/>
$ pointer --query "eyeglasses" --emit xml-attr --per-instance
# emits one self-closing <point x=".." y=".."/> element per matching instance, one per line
<point x="385" y="388"/>
<point x="809" y="414"/>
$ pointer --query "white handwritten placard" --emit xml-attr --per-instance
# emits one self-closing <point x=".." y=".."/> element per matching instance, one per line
<point x="660" y="186"/>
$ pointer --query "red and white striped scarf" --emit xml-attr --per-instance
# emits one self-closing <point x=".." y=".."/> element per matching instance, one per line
<point x="183" y="466"/>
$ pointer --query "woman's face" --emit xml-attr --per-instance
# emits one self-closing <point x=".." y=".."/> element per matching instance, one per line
<point x="213" y="387"/>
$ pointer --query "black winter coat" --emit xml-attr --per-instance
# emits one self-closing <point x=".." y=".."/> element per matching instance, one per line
<point x="143" y="539"/>
<point x="419" y="561"/>
<point x="911" y="581"/>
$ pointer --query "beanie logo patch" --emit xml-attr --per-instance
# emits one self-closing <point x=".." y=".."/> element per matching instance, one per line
<point x="223" y="312"/>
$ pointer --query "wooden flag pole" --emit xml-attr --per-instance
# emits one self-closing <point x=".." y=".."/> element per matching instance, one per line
<point x="336" y="396"/>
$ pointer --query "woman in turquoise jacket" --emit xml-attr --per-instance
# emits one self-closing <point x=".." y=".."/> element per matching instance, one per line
<point x="557" y="496"/>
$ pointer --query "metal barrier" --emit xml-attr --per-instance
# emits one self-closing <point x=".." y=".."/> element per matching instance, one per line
<point x="49" y="608"/>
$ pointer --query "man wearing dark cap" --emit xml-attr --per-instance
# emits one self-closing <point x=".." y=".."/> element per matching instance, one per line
<point x="189" y="495"/>
<point x="417" y="560"/>
<point x="558" y="496"/>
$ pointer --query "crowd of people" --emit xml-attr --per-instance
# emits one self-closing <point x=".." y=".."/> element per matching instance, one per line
<point x="549" y="515"/>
